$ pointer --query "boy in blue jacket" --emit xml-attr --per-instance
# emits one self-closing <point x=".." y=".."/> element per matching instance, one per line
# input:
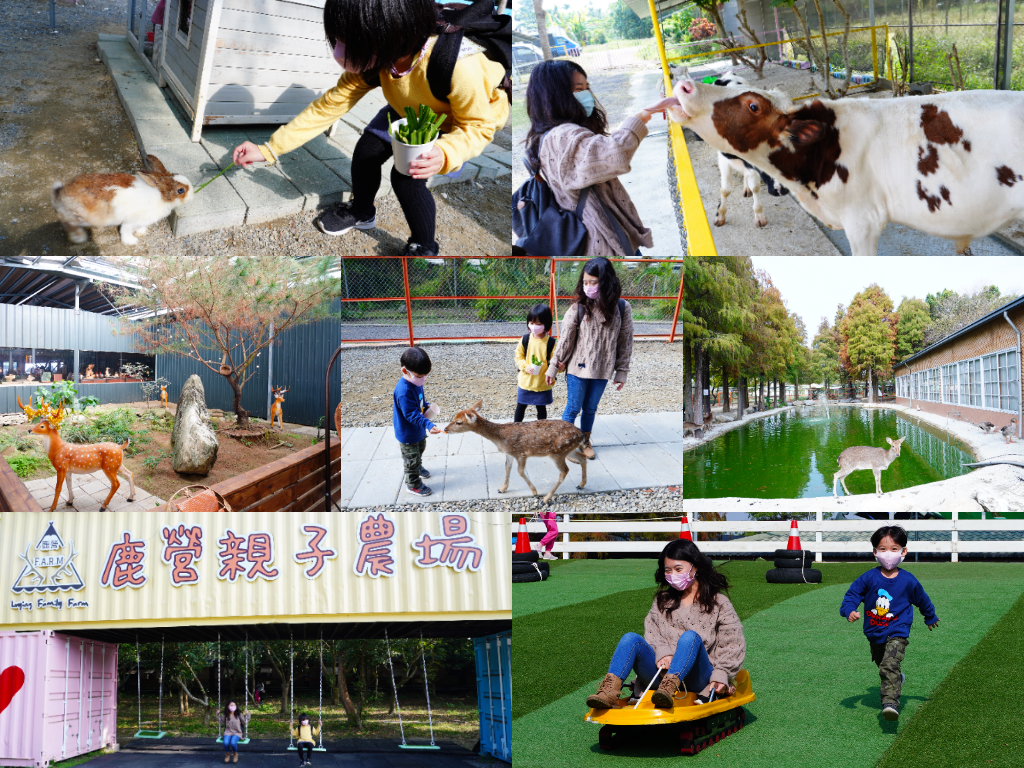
<point x="410" y="420"/>
<point x="890" y="593"/>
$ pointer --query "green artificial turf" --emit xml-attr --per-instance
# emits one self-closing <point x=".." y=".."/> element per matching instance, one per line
<point x="973" y="717"/>
<point x="817" y="688"/>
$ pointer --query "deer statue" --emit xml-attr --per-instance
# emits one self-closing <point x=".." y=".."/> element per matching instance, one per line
<point x="275" y="409"/>
<point x="89" y="372"/>
<point x="557" y="439"/>
<point x="866" y="457"/>
<point x="78" y="459"/>
<point x="163" y="395"/>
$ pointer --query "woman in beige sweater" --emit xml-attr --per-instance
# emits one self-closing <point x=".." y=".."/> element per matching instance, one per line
<point x="691" y="632"/>
<point x="595" y="344"/>
<point x="569" y="140"/>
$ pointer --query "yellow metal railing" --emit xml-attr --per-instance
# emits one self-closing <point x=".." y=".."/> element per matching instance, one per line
<point x="699" y="241"/>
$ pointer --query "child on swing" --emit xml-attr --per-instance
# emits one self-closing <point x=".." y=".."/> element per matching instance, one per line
<point x="233" y="724"/>
<point x="304" y="736"/>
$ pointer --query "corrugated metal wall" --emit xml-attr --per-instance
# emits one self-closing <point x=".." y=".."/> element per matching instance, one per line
<point x="300" y="361"/>
<point x="53" y="328"/>
<point x="114" y="392"/>
<point x="177" y="369"/>
<point x="414" y="593"/>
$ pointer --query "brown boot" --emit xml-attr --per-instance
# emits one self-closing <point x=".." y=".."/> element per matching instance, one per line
<point x="234" y="757"/>
<point x="662" y="698"/>
<point x="227" y="757"/>
<point x="587" y="450"/>
<point x="607" y="695"/>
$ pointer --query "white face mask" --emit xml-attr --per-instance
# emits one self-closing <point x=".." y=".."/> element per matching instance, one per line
<point x="339" y="56"/>
<point x="536" y="330"/>
<point x="889" y="560"/>
<point x="591" y="291"/>
<point x="231" y="707"/>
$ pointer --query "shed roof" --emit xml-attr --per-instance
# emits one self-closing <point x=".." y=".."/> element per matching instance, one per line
<point x="49" y="281"/>
<point x="1019" y="301"/>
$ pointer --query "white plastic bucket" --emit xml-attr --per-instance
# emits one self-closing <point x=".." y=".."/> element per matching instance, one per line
<point x="406" y="153"/>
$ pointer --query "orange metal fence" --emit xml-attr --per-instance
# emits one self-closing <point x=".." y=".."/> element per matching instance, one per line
<point x="400" y="298"/>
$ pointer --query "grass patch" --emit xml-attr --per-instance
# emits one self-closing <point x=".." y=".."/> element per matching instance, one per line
<point x="25" y="466"/>
<point x="984" y="724"/>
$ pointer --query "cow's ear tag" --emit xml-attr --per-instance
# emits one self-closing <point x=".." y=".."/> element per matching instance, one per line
<point x="805" y="132"/>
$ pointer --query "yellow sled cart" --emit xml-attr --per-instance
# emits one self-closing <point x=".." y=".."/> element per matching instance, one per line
<point x="702" y="724"/>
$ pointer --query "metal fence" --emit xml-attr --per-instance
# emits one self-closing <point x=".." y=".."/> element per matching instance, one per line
<point x="462" y="299"/>
<point x="955" y="536"/>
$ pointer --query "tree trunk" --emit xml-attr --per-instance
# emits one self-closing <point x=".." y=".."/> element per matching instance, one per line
<point x="782" y="392"/>
<point x="725" y="389"/>
<point x="542" y="28"/>
<point x="706" y="384"/>
<point x="354" y="714"/>
<point x="687" y="386"/>
<point x="236" y="402"/>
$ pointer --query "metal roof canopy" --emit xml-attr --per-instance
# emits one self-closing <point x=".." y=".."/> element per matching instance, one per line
<point x="643" y="9"/>
<point x="284" y="631"/>
<point x="997" y="313"/>
<point x="50" y="281"/>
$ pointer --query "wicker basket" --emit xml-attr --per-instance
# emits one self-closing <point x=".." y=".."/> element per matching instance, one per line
<point x="198" y="498"/>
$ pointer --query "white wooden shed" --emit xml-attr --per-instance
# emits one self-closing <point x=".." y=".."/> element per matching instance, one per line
<point x="232" y="62"/>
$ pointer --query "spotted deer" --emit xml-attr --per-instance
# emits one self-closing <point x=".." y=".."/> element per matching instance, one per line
<point x="275" y="409"/>
<point x="554" y="438"/>
<point x="70" y="459"/>
<point x="866" y="457"/>
<point x="163" y="395"/>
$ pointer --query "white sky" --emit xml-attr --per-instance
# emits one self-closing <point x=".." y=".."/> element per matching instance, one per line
<point x="812" y="286"/>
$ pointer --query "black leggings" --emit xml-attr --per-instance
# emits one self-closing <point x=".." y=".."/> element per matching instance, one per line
<point x="416" y="200"/>
<point x="308" y="747"/>
<point x="542" y="412"/>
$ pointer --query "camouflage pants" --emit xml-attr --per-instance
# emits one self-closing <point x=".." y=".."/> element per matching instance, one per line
<point x="888" y="656"/>
<point x="412" y="456"/>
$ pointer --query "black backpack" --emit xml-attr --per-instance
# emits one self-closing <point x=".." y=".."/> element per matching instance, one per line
<point x="479" y="23"/>
<point x="543" y="228"/>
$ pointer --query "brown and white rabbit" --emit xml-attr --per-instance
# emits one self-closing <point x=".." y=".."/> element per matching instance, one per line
<point x="131" y="202"/>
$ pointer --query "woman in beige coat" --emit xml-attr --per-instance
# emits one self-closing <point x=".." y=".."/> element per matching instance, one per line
<point x="692" y="633"/>
<point x="569" y="140"/>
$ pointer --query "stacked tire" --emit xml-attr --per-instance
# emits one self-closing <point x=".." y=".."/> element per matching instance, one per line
<point x="528" y="567"/>
<point x="792" y="566"/>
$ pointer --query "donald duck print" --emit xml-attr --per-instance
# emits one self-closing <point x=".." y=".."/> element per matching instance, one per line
<point x="880" y="615"/>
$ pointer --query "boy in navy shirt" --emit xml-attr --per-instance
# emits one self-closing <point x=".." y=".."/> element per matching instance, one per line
<point x="888" y="594"/>
<point x="410" y="419"/>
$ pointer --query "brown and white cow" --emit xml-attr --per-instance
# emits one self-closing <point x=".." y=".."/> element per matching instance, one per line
<point x="949" y="165"/>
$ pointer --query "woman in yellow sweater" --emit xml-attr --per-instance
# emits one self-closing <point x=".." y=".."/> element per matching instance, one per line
<point x="532" y="355"/>
<point x="305" y="736"/>
<point x="391" y="42"/>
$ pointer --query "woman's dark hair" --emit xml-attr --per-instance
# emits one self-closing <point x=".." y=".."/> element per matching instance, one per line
<point x="609" y="287"/>
<point x="228" y="713"/>
<point x="709" y="581"/>
<point x="550" y="102"/>
<point x="540" y="313"/>
<point x="894" y="532"/>
<point x="416" y="360"/>
<point x="304" y="716"/>
<point x="377" y="33"/>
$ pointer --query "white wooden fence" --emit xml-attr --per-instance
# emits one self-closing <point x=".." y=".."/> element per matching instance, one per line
<point x="741" y="546"/>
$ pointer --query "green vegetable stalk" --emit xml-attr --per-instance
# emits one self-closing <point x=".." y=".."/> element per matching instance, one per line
<point x="421" y="126"/>
<point x="534" y="360"/>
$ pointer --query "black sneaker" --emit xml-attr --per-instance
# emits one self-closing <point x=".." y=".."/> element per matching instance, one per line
<point x="890" y="712"/>
<point x="339" y="219"/>
<point x="423" y="472"/>
<point x="423" y="490"/>
<point x="415" y="249"/>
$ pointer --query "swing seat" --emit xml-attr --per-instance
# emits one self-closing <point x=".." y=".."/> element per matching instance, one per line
<point x="418" y="746"/>
<point x="293" y="748"/>
<point x="220" y="740"/>
<point x="149" y="734"/>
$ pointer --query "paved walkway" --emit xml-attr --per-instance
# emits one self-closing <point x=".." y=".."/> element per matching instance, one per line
<point x="633" y="451"/>
<point x="312" y="176"/>
<point x="90" y="491"/>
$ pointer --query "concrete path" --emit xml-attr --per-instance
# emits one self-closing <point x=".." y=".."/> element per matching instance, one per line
<point x="90" y="491"/>
<point x="310" y="177"/>
<point x="648" y="181"/>
<point x="633" y="451"/>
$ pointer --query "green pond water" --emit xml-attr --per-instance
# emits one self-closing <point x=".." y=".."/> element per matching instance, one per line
<point x="794" y="454"/>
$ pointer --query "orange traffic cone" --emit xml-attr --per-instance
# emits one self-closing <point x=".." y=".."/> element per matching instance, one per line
<point x="685" y="534"/>
<point x="794" y="537"/>
<point x="522" y="538"/>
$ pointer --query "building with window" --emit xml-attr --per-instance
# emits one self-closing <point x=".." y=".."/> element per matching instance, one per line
<point x="975" y="371"/>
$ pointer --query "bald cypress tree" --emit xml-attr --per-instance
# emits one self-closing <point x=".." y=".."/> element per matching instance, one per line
<point x="868" y="333"/>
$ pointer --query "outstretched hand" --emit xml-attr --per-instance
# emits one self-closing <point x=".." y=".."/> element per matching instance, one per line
<point x="246" y="154"/>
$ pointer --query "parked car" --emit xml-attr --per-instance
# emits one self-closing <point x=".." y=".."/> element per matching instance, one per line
<point x="563" y="46"/>
<point x="526" y="56"/>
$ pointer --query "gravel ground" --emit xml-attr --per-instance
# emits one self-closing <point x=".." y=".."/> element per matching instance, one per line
<point x="465" y="373"/>
<point x="60" y="116"/>
<point x="668" y="499"/>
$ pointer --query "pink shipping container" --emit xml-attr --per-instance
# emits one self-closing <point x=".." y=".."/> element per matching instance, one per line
<point x="58" y="697"/>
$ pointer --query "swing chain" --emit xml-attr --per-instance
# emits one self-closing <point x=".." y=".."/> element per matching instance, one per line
<point x="391" y="666"/>
<point x="321" y="723"/>
<point x="218" y="688"/>
<point x="291" y="685"/>
<point x="246" y="684"/>
<point x="426" y="687"/>
<point x="138" y="676"/>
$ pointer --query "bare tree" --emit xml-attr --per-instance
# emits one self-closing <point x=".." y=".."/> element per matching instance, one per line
<point x="542" y="29"/>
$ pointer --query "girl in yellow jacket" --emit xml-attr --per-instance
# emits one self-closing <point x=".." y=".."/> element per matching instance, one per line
<point x="304" y="736"/>
<point x="392" y="40"/>
<point x="532" y="361"/>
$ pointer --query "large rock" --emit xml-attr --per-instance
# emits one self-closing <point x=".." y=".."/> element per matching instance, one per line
<point x="193" y="442"/>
